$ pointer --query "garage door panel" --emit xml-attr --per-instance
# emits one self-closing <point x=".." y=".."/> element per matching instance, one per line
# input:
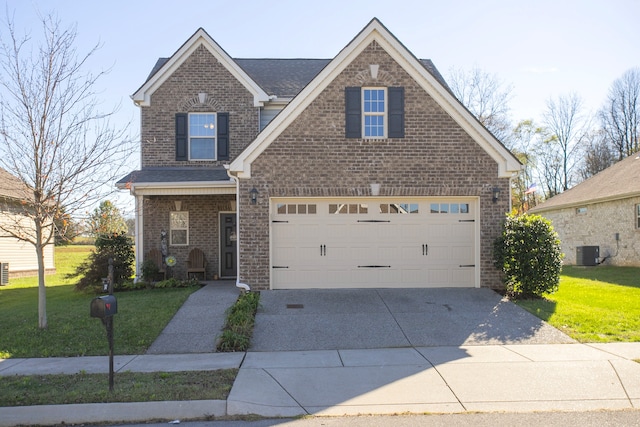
<point x="338" y="245"/>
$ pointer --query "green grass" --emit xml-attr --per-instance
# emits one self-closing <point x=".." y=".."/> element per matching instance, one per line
<point x="593" y="304"/>
<point x="128" y="387"/>
<point x="142" y="315"/>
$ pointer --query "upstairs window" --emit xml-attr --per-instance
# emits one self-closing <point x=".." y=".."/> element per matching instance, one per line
<point x="374" y="112"/>
<point x="202" y="136"/>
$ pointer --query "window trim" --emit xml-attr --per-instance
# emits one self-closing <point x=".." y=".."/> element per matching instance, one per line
<point x="172" y="229"/>
<point x="214" y="137"/>
<point x="384" y="114"/>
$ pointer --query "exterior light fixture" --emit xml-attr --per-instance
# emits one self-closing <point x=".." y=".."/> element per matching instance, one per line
<point x="496" y="194"/>
<point x="254" y="196"/>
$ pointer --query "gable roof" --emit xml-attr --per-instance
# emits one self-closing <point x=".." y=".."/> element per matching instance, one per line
<point x="165" y="68"/>
<point x="285" y="78"/>
<point x="375" y="31"/>
<point x="12" y="187"/>
<point x="620" y="181"/>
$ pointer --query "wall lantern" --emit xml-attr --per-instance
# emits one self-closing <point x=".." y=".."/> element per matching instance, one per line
<point x="254" y="196"/>
<point x="496" y="194"/>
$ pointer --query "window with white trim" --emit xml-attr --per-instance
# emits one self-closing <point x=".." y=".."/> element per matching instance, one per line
<point x="179" y="228"/>
<point x="374" y="112"/>
<point x="202" y="136"/>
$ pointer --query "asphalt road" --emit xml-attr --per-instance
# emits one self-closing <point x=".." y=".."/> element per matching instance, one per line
<point x="547" y="419"/>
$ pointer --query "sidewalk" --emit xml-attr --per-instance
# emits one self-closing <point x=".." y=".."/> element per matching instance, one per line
<point x="513" y="378"/>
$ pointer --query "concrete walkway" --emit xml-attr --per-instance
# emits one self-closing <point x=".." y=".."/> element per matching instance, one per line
<point x="501" y="359"/>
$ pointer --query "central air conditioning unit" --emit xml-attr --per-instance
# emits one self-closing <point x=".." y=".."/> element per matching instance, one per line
<point x="4" y="273"/>
<point x="587" y="255"/>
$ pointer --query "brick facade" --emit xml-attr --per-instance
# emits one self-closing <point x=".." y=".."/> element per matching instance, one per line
<point x="598" y="227"/>
<point x="203" y="228"/>
<point x="312" y="158"/>
<point x="200" y="73"/>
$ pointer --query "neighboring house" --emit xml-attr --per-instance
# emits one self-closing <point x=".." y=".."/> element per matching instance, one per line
<point x="359" y="171"/>
<point x="18" y="254"/>
<point x="603" y="211"/>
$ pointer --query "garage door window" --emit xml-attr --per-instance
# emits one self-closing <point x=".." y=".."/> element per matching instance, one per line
<point x="295" y="209"/>
<point x="348" y="208"/>
<point x="399" y="208"/>
<point x="445" y="208"/>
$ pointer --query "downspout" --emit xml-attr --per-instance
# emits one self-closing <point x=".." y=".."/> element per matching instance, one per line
<point x="243" y="286"/>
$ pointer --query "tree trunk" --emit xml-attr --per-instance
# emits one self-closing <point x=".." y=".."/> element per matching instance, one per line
<point x="42" y="290"/>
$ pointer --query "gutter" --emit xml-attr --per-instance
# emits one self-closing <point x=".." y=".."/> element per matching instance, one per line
<point x="243" y="286"/>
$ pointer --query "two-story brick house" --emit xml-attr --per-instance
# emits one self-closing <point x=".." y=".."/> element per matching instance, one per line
<point x="359" y="171"/>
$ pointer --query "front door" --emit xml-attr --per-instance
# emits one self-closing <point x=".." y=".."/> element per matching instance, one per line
<point x="228" y="250"/>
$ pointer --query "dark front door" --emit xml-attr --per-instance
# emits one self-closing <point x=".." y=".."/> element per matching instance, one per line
<point x="228" y="250"/>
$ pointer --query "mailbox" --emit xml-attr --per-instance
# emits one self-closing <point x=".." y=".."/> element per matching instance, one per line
<point x="104" y="306"/>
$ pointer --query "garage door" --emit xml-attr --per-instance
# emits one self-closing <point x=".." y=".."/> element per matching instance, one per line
<point x="373" y="242"/>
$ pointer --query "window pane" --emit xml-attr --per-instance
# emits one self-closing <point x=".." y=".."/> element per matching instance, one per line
<point x="464" y="208"/>
<point x="291" y="209"/>
<point x="435" y="208"/>
<point x="311" y="209"/>
<point x="384" y="208"/>
<point x="202" y="148"/>
<point x="333" y="209"/>
<point x="282" y="208"/>
<point x="178" y="237"/>
<point x="179" y="219"/>
<point x="374" y="126"/>
<point x="353" y="209"/>
<point x="413" y="208"/>
<point x="444" y="208"/>
<point x="302" y="209"/>
<point x="393" y="208"/>
<point x="455" y="208"/>
<point x="364" y="208"/>
<point x="342" y="209"/>
<point x="202" y="125"/>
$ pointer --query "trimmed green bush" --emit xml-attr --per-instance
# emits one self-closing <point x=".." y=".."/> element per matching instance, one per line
<point x="238" y="329"/>
<point x="529" y="256"/>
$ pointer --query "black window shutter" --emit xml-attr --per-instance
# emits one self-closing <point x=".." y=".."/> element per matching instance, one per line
<point x="182" y="136"/>
<point x="353" y="112"/>
<point x="223" y="136"/>
<point x="396" y="112"/>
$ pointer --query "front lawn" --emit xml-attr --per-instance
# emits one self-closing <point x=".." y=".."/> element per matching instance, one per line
<point x="142" y="315"/>
<point x="593" y="304"/>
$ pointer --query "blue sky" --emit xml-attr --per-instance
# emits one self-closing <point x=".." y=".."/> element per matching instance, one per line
<point x="544" y="48"/>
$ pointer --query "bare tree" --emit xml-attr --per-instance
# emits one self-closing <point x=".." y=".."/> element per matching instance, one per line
<point x="598" y="154"/>
<point x="565" y="121"/>
<point x="620" y="117"/>
<point x="486" y="97"/>
<point x="525" y="136"/>
<point x="53" y="137"/>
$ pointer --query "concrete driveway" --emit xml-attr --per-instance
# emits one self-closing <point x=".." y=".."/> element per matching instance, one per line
<point x="332" y="319"/>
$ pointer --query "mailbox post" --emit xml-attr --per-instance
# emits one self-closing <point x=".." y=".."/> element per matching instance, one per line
<point x="104" y="307"/>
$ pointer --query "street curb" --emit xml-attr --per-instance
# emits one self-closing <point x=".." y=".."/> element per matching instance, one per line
<point x="111" y="412"/>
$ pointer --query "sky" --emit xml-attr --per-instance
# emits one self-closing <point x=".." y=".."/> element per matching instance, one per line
<point x="542" y="48"/>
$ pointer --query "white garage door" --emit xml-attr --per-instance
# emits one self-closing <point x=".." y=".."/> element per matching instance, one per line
<point x="373" y="243"/>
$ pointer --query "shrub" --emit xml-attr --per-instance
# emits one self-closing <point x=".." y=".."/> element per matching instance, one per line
<point x="528" y="254"/>
<point x="238" y="329"/>
<point x="118" y="247"/>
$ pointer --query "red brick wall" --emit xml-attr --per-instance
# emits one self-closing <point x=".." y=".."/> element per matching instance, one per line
<point x="203" y="228"/>
<point x="312" y="158"/>
<point x="201" y="72"/>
